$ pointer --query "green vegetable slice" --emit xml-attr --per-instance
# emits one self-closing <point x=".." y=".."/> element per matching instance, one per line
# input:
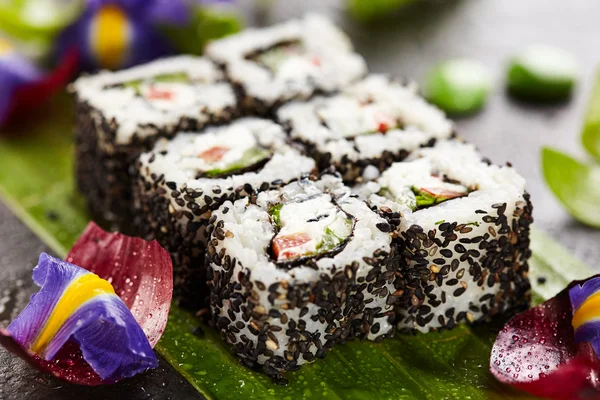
<point x="576" y="185"/>
<point x="275" y="212"/>
<point x="542" y="73"/>
<point x="331" y="240"/>
<point x="590" y="136"/>
<point x="450" y="365"/>
<point x="426" y="199"/>
<point x="174" y="77"/>
<point x="459" y="86"/>
<point x="165" y="78"/>
<point x="250" y="157"/>
<point x="275" y="57"/>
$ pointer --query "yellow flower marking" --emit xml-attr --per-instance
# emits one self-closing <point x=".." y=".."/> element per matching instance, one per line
<point x="110" y="36"/>
<point x="589" y="310"/>
<point x="5" y="47"/>
<point x="79" y="291"/>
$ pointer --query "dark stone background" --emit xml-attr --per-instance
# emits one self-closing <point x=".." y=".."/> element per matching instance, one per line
<point x="408" y="44"/>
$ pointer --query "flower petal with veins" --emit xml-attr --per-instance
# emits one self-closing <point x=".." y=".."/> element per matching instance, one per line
<point x="78" y="328"/>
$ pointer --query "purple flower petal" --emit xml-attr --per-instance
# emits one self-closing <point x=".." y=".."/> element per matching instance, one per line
<point x="170" y="11"/>
<point x="589" y="332"/>
<point x="24" y="86"/>
<point x="20" y="67"/>
<point x="173" y="12"/>
<point x="580" y="293"/>
<point x="146" y="44"/>
<point x="131" y="37"/>
<point x="141" y="274"/>
<point x="585" y="301"/>
<point x="109" y="337"/>
<point x="53" y="276"/>
<point x="15" y="71"/>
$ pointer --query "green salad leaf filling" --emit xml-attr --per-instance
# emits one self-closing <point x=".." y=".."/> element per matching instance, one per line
<point x="163" y="78"/>
<point x="250" y="157"/>
<point x="425" y="199"/>
<point x="275" y="57"/>
<point x="275" y="213"/>
<point x="331" y="240"/>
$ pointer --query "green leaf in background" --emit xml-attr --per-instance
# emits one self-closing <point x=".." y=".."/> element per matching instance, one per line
<point x="590" y="135"/>
<point x="36" y="180"/>
<point x="34" y="24"/>
<point x="369" y="10"/>
<point x="542" y="74"/>
<point x="205" y="25"/>
<point x="458" y="86"/>
<point x="575" y="184"/>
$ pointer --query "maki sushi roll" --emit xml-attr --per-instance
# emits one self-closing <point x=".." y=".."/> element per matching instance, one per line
<point x="294" y="271"/>
<point x="292" y="60"/>
<point x="462" y="229"/>
<point x="121" y="114"/>
<point x="183" y="180"/>
<point x="366" y="127"/>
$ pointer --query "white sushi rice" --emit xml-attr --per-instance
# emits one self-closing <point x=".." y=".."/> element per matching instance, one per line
<point x="366" y="120"/>
<point x="247" y="231"/>
<point x="326" y="63"/>
<point x="181" y="163"/>
<point x="492" y="187"/>
<point x="158" y="104"/>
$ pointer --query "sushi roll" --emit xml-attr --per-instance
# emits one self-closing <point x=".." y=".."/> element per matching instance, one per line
<point x="292" y="60"/>
<point x="366" y="127"/>
<point x="295" y="270"/>
<point x="121" y="114"/>
<point x="462" y="230"/>
<point x="182" y="180"/>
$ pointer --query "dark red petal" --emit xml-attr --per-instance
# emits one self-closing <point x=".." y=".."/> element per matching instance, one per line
<point x="535" y="352"/>
<point x="68" y="364"/>
<point x="140" y="271"/>
<point x="33" y="95"/>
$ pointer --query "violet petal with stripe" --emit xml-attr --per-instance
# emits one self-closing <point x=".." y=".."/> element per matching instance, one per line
<point x="105" y="338"/>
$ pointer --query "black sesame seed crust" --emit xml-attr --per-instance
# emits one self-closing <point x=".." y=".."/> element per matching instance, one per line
<point x="351" y="170"/>
<point x="255" y="107"/>
<point x="437" y="258"/>
<point x="336" y="302"/>
<point x="103" y="167"/>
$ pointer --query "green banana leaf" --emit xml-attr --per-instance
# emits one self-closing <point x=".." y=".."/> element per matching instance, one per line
<point x="36" y="181"/>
